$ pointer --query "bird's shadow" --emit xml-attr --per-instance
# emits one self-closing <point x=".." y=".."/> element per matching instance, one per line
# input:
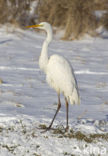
<point x="6" y="41"/>
<point x="105" y="37"/>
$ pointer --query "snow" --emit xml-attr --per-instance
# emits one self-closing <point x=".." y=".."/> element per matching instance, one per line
<point x="100" y="13"/>
<point x="33" y="7"/>
<point x="26" y="100"/>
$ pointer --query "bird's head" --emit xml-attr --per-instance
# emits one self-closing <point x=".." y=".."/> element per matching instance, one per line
<point x="43" y="25"/>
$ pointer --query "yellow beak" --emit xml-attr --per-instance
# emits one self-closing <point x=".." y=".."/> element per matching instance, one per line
<point x="33" y="26"/>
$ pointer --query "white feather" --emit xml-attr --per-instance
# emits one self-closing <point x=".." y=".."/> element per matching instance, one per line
<point x="59" y="73"/>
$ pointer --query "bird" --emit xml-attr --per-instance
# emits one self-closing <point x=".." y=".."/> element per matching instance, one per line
<point x="59" y="73"/>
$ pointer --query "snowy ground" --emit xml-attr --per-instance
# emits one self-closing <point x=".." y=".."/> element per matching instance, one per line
<point x="27" y="102"/>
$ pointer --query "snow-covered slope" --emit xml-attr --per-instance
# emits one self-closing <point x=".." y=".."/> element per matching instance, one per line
<point x="27" y="102"/>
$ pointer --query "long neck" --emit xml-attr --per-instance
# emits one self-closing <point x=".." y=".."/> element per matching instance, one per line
<point x="43" y="60"/>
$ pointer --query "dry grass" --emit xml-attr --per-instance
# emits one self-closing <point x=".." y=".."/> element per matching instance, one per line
<point x="104" y="20"/>
<point x="54" y="14"/>
<point x="101" y="4"/>
<point x="75" y="16"/>
<point x="15" y="12"/>
<point x="89" y="138"/>
<point x="3" y="11"/>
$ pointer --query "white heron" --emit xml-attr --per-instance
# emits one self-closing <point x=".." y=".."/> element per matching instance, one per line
<point x="59" y="73"/>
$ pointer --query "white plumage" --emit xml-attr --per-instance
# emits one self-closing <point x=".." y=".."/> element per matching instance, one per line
<point x="60" y="76"/>
<point x="59" y="72"/>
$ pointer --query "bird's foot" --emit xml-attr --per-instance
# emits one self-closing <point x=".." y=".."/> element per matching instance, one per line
<point x="46" y="129"/>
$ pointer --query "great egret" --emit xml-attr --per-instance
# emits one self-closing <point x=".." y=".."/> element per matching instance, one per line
<point x="59" y="73"/>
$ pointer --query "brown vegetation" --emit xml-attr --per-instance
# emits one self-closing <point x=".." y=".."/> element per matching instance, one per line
<point x="104" y="20"/>
<point x="101" y="4"/>
<point x="89" y="138"/>
<point x="15" y="11"/>
<point x="75" y="16"/>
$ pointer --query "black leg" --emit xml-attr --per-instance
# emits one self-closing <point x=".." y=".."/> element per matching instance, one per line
<point x="67" y="110"/>
<point x="58" y="108"/>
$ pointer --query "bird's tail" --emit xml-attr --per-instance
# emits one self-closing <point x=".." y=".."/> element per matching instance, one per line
<point x="74" y="98"/>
